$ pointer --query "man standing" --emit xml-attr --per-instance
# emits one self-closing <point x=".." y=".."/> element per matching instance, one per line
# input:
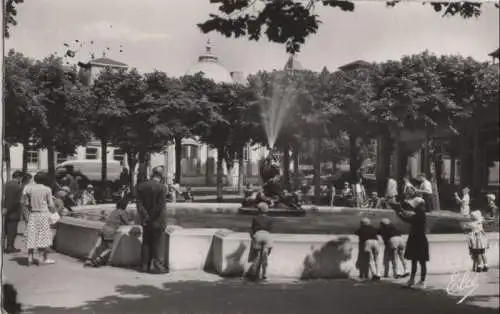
<point x="425" y="189"/>
<point x="391" y="193"/>
<point x="151" y="206"/>
<point x="12" y="210"/>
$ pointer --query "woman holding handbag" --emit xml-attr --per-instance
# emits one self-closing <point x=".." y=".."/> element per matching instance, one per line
<point x="37" y="199"/>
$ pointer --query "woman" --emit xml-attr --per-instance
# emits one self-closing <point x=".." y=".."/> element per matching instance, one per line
<point x="37" y="199"/>
<point x="417" y="246"/>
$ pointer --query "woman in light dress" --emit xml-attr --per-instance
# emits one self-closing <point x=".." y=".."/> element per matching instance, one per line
<point x="39" y="204"/>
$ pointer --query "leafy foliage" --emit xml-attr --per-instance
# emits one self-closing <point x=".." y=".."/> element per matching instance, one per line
<point x="290" y="22"/>
<point x="10" y="15"/>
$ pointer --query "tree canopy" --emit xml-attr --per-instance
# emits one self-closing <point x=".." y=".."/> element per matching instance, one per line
<point x="291" y="22"/>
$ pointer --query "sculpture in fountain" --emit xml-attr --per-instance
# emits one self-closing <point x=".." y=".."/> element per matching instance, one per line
<point x="279" y="201"/>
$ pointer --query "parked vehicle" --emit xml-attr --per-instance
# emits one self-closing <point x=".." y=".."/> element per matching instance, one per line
<point x="90" y="172"/>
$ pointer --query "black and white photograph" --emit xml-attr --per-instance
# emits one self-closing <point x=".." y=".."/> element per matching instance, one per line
<point x="250" y="157"/>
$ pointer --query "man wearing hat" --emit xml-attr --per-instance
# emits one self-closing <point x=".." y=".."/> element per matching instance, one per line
<point x="151" y="206"/>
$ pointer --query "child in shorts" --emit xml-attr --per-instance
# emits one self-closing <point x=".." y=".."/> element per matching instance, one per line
<point x="102" y="250"/>
<point x="368" y="250"/>
<point x="261" y="237"/>
<point x="394" y="248"/>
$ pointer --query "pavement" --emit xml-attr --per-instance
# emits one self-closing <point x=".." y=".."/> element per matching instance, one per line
<point x="66" y="287"/>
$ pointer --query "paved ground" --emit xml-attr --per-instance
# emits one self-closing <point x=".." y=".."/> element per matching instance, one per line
<point x="67" y="287"/>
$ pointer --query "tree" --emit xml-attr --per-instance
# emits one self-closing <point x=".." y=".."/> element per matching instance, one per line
<point x="106" y="113"/>
<point x="10" y="15"/>
<point x="192" y="113"/>
<point x="66" y="104"/>
<point x="22" y="113"/>
<point x="354" y="99"/>
<point x="291" y="22"/>
<point x="225" y="127"/>
<point x="141" y="129"/>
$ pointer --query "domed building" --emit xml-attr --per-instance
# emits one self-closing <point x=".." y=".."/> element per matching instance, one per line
<point x="198" y="162"/>
<point x="209" y="65"/>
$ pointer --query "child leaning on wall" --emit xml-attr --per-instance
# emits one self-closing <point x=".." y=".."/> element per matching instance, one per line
<point x="368" y="250"/>
<point x="102" y="249"/>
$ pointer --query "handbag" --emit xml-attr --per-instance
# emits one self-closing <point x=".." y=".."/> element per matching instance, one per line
<point x="54" y="218"/>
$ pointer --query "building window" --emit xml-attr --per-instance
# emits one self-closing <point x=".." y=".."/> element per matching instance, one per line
<point x="91" y="153"/>
<point x="33" y="156"/>
<point x="61" y="157"/>
<point x="119" y="155"/>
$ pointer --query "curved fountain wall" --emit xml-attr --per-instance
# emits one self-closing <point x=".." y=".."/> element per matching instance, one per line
<point x="225" y="252"/>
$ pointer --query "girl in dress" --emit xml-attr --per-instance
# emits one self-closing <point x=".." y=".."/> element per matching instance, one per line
<point x="478" y="242"/>
<point x="37" y="199"/>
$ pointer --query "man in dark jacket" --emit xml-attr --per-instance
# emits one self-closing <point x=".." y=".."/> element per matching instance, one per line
<point x="12" y="210"/>
<point x="151" y="206"/>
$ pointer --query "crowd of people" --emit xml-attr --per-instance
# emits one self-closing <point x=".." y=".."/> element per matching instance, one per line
<point x="40" y="203"/>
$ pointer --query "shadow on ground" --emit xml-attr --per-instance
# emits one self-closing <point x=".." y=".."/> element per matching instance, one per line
<point x="242" y="297"/>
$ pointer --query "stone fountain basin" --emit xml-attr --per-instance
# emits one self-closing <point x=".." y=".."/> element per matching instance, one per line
<point x="300" y="254"/>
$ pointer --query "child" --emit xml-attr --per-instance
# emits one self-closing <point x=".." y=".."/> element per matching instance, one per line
<point x="491" y="207"/>
<point x="464" y="202"/>
<point x="261" y="237"/>
<point x="394" y="248"/>
<point x="188" y="196"/>
<point x="368" y="250"/>
<point x="374" y="201"/>
<point x="88" y="197"/>
<point x="102" y="249"/>
<point x="478" y="242"/>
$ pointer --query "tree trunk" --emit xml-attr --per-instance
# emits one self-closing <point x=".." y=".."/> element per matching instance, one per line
<point x="24" y="167"/>
<point x="401" y="166"/>
<point x="142" y="171"/>
<point x="104" y="159"/>
<point x="241" y="170"/>
<point x="51" y="163"/>
<point x="220" y="173"/>
<point x="353" y="157"/>
<point x="296" y="174"/>
<point x="286" y="166"/>
<point x="6" y="149"/>
<point x="178" y="159"/>
<point x="387" y="151"/>
<point x="317" y="171"/>
<point x="131" y="160"/>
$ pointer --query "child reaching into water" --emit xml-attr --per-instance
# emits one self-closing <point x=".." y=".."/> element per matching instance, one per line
<point x="394" y="248"/>
<point x="478" y="242"/>
<point x="102" y="249"/>
<point x="368" y="250"/>
<point x="261" y="237"/>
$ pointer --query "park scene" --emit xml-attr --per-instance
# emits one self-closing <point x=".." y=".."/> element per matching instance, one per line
<point x="250" y="157"/>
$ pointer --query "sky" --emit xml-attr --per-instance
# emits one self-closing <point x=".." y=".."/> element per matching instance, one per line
<point x="162" y="34"/>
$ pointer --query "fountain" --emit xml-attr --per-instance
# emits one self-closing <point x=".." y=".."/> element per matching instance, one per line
<point x="273" y="112"/>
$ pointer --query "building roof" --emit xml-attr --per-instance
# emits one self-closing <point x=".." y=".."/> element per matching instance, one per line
<point x="354" y="65"/>
<point x="211" y="67"/>
<point x="106" y="62"/>
<point x="495" y="54"/>
<point x="292" y="64"/>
